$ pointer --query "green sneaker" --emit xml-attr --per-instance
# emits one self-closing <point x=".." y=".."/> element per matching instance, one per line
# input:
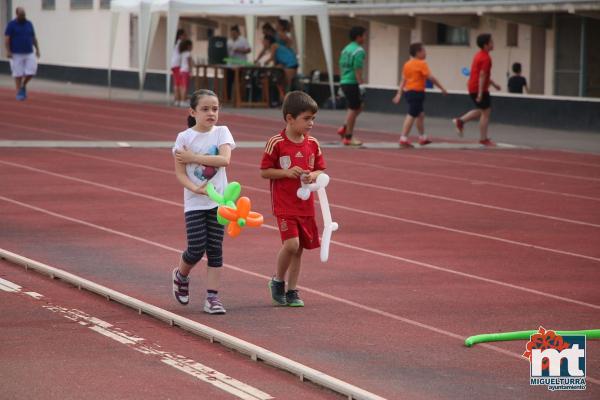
<point x="277" y="290"/>
<point x="291" y="296"/>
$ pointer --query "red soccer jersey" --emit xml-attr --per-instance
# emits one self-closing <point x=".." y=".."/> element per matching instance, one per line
<point x="282" y="153"/>
<point x="481" y="62"/>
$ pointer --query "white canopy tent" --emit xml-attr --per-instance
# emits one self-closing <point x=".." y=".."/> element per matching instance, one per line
<point x="149" y="12"/>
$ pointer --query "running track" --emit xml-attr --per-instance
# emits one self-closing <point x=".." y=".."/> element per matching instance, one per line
<point x="433" y="246"/>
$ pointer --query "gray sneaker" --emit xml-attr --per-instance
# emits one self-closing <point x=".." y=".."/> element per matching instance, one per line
<point x="277" y="290"/>
<point x="213" y="305"/>
<point x="293" y="300"/>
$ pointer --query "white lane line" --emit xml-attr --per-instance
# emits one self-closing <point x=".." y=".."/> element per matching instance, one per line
<point x="466" y="180"/>
<point x="8" y="286"/>
<point x="362" y="184"/>
<point x="413" y="262"/>
<point x="469" y="203"/>
<point x="179" y="362"/>
<point x="406" y="220"/>
<point x="382" y="254"/>
<point x="530" y="171"/>
<point x="113" y="129"/>
<point x="543" y="159"/>
<point x="454" y="200"/>
<point x="32" y="128"/>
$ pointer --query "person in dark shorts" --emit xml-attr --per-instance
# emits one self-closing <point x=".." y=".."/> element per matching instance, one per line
<point x="415" y="74"/>
<point x="480" y="80"/>
<point x="517" y="83"/>
<point x="351" y="67"/>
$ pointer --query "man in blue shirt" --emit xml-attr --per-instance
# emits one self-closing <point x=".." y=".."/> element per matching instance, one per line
<point x="19" y="40"/>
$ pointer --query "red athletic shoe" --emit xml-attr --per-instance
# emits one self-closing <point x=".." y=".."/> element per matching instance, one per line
<point x="405" y="144"/>
<point x="424" y="142"/>
<point x="487" y="143"/>
<point x="459" y="125"/>
<point x="342" y="131"/>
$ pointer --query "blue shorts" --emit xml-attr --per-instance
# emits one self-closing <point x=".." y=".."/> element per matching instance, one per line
<point x="415" y="102"/>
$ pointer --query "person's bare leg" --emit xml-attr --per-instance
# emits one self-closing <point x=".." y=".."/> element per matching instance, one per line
<point x="213" y="278"/>
<point x="421" y="126"/>
<point x="471" y="115"/>
<point x="294" y="270"/>
<point x="351" y="116"/>
<point x="484" y="122"/>
<point x="18" y="82"/>
<point x="27" y="79"/>
<point x="407" y="126"/>
<point x="289" y="78"/>
<point x="184" y="268"/>
<point x="284" y="258"/>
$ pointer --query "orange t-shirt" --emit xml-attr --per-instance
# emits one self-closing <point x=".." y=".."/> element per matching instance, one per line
<point x="415" y="73"/>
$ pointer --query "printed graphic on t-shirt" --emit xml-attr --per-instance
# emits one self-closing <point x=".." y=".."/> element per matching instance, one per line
<point x="206" y="172"/>
<point x="285" y="162"/>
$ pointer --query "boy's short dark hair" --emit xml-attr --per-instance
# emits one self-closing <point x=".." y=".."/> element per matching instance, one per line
<point x="414" y="48"/>
<point x="516" y="68"/>
<point x="235" y="28"/>
<point x="356" y="31"/>
<point x="483" y="39"/>
<point x="297" y="102"/>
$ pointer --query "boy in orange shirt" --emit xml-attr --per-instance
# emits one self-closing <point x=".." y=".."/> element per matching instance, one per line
<point x="414" y="76"/>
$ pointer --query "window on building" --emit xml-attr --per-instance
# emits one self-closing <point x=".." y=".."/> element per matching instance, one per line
<point x="452" y="35"/>
<point x="105" y="4"/>
<point x="512" y="35"/>
<point x="48" y="4"/>
<point x="82" y="4"/>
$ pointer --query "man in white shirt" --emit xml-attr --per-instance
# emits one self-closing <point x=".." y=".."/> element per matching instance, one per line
<point x="237" y="48"/>
<point x="237" y="45"/>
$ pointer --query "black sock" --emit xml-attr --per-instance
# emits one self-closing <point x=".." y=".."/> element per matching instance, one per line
<point x="211" y="293"/>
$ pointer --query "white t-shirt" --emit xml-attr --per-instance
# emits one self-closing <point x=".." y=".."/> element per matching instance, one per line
<point x="235" y="47"/>
<point x="176" y="56"/>
<point x="205" y="143"/>
<point x="185" y="65"/>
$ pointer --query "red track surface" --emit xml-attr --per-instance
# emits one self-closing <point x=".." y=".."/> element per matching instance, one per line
<point x="433" y="246"/>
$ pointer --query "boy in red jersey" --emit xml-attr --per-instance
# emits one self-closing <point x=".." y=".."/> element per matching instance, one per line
<point x="480" y="80"/>
<point x="291" y="156"/>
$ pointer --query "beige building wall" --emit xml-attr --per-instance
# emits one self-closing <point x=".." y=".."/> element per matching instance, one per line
<point x="66" y="38"/>
<point x="446" y="62"/>
<point x="77" y="37"/>
<point x="383" y="53"/>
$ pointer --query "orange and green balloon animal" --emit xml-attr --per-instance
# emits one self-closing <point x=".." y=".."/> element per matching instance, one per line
<point x="240" y="216"/>
<point x="230" y="195"/>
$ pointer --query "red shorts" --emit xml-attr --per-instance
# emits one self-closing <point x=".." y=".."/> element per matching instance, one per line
<point x="175" y="72"/>
<point x="303" y="228"/>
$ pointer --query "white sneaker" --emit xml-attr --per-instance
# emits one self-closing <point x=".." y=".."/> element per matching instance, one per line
<point x="213" y="305"/>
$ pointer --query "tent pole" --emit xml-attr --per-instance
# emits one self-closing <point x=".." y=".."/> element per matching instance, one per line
<point x="323" y="19"/>
<point x="114" y="23"/>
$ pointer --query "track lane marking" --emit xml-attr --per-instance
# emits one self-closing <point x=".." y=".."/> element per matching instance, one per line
<point x="184" y="364"/>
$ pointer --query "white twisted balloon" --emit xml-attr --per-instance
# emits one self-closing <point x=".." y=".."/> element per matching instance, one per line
<point x="328" y="225"/>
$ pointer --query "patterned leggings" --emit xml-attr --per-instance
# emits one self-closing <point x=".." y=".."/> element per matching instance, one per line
<point x="204" y="234"/>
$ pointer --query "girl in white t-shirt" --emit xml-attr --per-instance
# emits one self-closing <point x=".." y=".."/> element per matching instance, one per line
<point x="185" y="67"/>
<point x="202" y="152"/>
